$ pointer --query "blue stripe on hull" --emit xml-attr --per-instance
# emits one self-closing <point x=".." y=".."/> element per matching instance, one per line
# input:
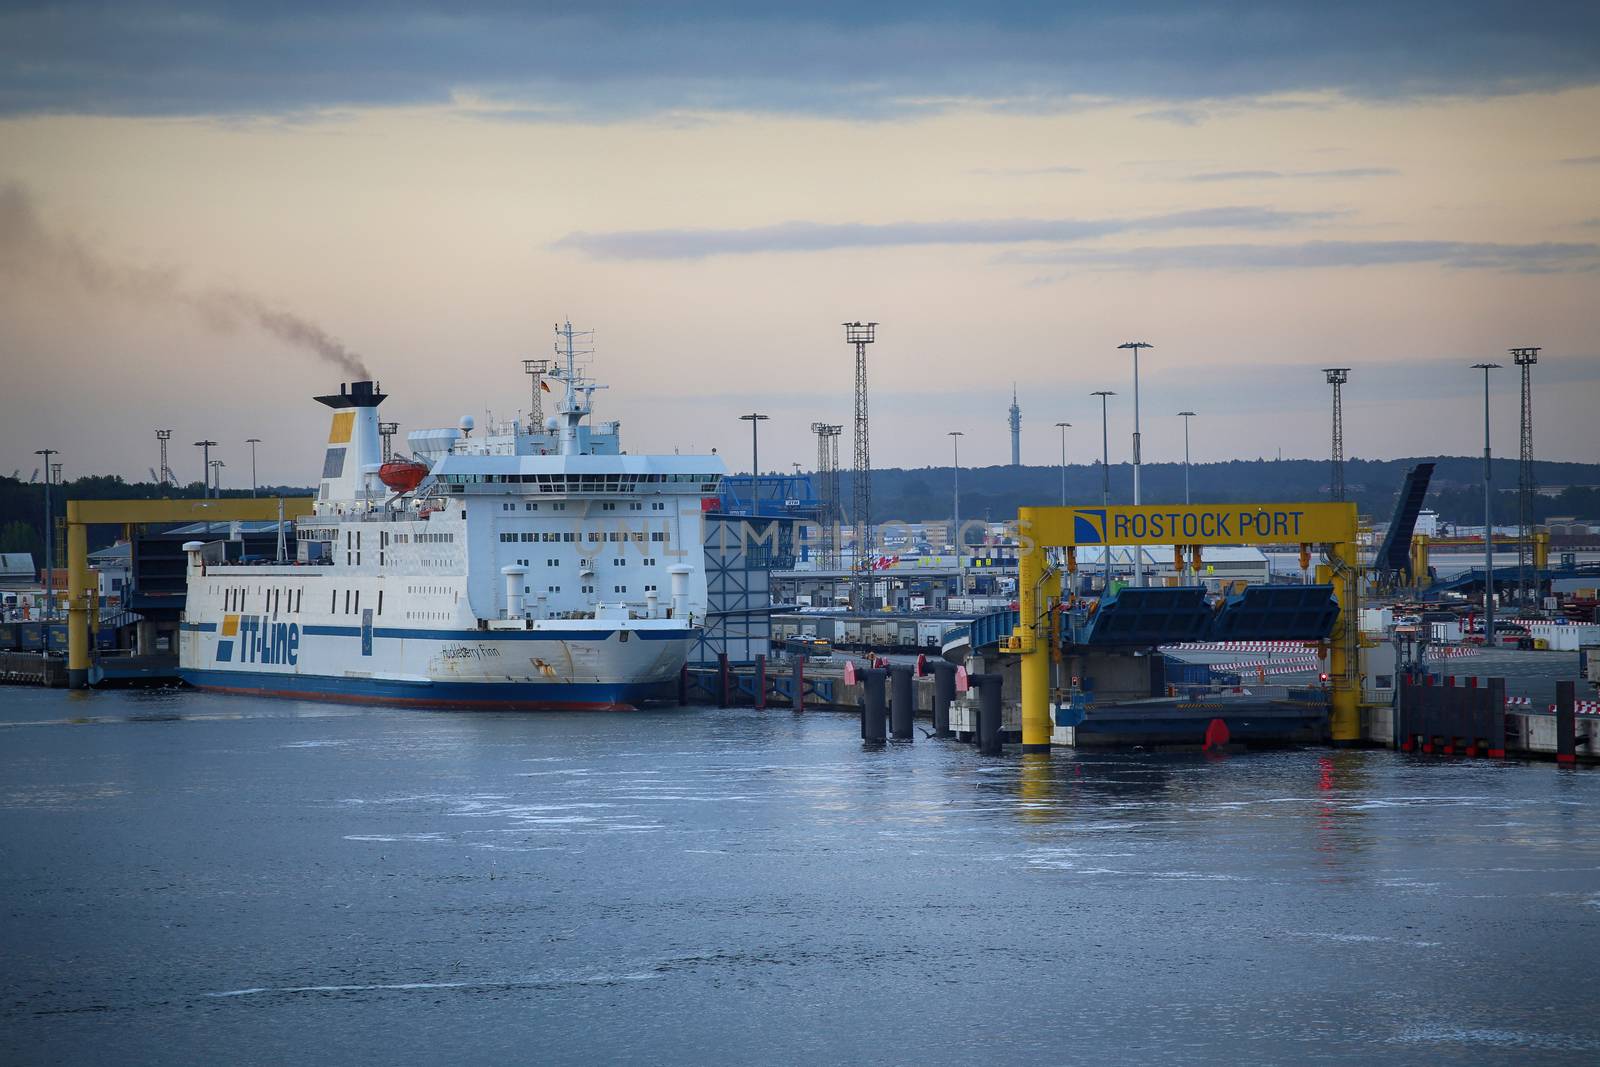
<point x="510" y="696"/>
<point x="317" y="630"/>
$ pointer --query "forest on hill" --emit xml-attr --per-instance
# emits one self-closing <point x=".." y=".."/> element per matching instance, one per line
<point x="994" y="493"/>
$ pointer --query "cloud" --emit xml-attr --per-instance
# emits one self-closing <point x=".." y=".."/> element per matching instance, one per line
<point x="1279" y="175"/>
<point x="609" y="59"/>
<point x="1178" y="116"/>
<point x="1024" y="172"/>
<point x="1582" y="161"/>
<point x="820" y="236"/>
<point x="1464" y="255"/>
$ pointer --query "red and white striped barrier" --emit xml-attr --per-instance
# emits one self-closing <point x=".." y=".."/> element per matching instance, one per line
<point x="1242" y="646"/>
<point x="1450" y="651"/>
<point x="1307" y="663"/>
<point x="1580" y="707"/>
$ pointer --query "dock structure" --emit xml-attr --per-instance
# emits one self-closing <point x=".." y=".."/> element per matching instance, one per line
<point x="1038" y="627"/>
<point x="81" y="585"/>
<point x="1432" y="715"/>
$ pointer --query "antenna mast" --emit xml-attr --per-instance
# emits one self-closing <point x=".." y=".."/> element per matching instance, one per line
<point x="1015" y="420"/>
<point x="1337" y="376"/>
<point x="1527" y="581"/>
<point x="387" y="430"/>
<point x="536" y="369"/>
<point x="167" y="477"/>
<point x="828" y="475"/>
<point x="861" y="334"/>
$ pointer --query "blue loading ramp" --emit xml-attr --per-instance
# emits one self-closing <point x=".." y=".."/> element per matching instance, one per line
<point x="1394" y="555"/>
<point x="1159" y="616"/>
<point x="1276" y="613"/>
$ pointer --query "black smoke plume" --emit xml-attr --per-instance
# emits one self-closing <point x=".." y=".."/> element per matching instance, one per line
<point x="31" y="250"/>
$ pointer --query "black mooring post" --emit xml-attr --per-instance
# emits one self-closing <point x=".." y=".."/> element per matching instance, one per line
<point x="872" y="706"/>
<point x="1566" y="722"/>
<point x="1497" y="718"/>
<point x="988" y="713"/>
<point x="722" y="679"/>
<point x="683" y="686"/>
<point x="761" y="681"/>
<point x="799" y="701"/>
<point x="944" y="691"/>
<point x="902" y="706"/>
<point x="1403" y="697"/>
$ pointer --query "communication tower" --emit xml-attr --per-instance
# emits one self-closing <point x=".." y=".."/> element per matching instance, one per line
<point x="828" y="435"/>
<point x="1337" y="376"/>
<point x="1016" y="429"/>
<point x="1527" y="581"/>
<point x="861" y="334"/>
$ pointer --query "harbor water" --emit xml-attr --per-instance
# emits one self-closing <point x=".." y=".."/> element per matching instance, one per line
<point x="192" y="878"/>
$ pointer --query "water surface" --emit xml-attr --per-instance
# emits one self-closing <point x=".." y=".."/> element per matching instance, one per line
<point x="199" y="879"/>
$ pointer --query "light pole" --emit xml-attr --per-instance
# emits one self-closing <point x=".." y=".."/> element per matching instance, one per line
<point x="1105" y="472"/>
<point x="1488" y="523"/>
<point x="205" y="464"/>
<point x="961" y="577"/>
<point x="1062" y="426"/>
<point x="216" y="475"/>
<point x="252" y="442"/>
<point x="755" y="420"/>
<point x="1187" y="415"/>
<point x="1138" y="556"/>
<point x="49" y="544"/>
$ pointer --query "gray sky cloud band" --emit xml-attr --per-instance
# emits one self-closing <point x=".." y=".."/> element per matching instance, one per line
<point x="597" y="59"/>
<point x="821" y="236"/>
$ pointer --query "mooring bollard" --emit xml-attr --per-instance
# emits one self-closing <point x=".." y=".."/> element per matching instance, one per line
<point x="799" y="701"/>
<point x="944" y="691"/>
<point x="988" y="713"/>
<point x="872" y="706"/>
<point x="1497" y="718"/>
<point x="902" y="706"/>
<point x="1566" y="722"/>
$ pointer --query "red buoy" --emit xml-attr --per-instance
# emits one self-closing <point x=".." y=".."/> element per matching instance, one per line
<point x="1216" y="735"/>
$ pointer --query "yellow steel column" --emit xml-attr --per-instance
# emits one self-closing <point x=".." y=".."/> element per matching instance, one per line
<point x="1419" y="560"/>
<point x="1541" y="550"/>
<point x="1344" y="652"/>
<point x="1035" y="597"/>
<point x="78" y="598"/>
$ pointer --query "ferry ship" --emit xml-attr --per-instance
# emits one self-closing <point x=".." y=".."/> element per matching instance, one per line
<point x="536" y="566"/>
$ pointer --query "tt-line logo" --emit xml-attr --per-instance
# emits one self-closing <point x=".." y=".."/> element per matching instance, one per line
<point x="258" y="640"/>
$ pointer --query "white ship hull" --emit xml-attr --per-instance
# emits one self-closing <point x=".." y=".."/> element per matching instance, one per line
<point x="580" y="664"/>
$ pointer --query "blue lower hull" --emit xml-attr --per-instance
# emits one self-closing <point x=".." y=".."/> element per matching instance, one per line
<point x="510" y="696"/>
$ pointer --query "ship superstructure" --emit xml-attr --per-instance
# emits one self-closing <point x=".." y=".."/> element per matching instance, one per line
<point x="531" y="566"/>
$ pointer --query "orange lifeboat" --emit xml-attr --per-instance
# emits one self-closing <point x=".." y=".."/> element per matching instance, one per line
<point x="402" y="475"/>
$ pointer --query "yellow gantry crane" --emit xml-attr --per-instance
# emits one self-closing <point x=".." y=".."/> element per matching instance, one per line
<point x="1539" y="550"/>
<point x="1332" y="526"/>
<point x="81" y="514"/>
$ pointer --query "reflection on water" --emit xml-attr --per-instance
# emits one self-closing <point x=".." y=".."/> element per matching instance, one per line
<point x="191" y="875"/>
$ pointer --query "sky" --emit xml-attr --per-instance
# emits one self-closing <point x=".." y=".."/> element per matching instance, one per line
<point x="211" y="213"/>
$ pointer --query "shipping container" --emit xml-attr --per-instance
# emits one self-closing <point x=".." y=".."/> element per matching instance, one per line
<point x="30" y="636"/>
